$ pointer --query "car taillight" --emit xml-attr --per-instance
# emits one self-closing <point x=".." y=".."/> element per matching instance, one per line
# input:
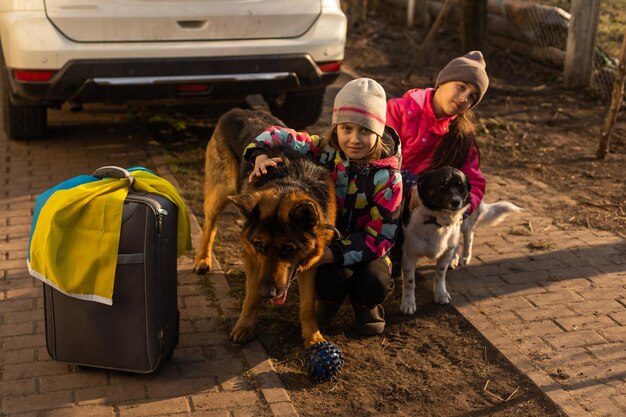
<point x="330" y="66"/>
<point x="33" y="76"/>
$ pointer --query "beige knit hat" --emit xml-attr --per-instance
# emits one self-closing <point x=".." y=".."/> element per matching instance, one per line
<point x="469" y="68"/>
<point x="363" y="102"/>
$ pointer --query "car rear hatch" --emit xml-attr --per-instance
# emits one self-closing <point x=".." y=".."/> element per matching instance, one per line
<point x="181" y="20"/>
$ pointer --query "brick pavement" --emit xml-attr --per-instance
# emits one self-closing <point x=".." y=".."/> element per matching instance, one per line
<point x="552" y="300"/>
<point x="207" y="377"/>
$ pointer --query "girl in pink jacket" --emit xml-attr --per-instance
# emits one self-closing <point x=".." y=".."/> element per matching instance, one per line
<point x="436" y="126"/>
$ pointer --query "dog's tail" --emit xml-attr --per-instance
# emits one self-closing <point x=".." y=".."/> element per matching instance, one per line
<point x="490" y="214"/>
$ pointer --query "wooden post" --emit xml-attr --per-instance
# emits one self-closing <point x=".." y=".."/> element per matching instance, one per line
<point x="410" y="12"/>
<point x="417" y="13"/>
<point x="581" y="39"/>
<point x="364" y="10"/>
<point x="473" y="23"/>
<point x="616" y="101"/>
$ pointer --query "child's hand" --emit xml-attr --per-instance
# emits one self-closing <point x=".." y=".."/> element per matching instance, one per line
<point x="261" y="163"/>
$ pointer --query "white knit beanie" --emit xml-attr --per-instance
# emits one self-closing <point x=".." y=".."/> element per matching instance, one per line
<point x="362" y="102"/>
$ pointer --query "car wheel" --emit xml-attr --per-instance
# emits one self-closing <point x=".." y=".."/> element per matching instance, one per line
<point x="298" y="110"/>
<point x="22" y="122"/>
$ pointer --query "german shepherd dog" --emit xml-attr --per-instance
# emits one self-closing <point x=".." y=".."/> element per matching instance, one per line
<point x="289" y="218"/>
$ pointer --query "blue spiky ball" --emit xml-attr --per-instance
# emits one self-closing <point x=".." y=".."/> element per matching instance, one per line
<point x="323" y="361"/>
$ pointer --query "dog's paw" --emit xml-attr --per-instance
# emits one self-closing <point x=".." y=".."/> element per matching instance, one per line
<point x="201" y="267"/>
<point x="313" y="339"/>
<point x="408" y="305"/>
<point x="442" y="296"/>
<point x="242" y="334"/>
<point x="455" y="261"/>
<point x="466" y="260"/>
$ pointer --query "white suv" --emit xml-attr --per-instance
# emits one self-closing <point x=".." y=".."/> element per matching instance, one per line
<point x="56" y="51"/>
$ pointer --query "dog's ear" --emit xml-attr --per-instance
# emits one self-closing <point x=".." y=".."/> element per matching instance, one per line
<point x="414" y="198"/>
<point x="304" y="213"/>
<point x="423" y="183"/>
<point x="468" y="184"/>
<point x="245" y="202"/>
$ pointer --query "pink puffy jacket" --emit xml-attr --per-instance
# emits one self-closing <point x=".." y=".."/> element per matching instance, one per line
<point x="421" y="132"/>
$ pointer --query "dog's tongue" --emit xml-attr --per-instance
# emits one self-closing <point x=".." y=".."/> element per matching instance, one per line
<point x="281" y="299"/>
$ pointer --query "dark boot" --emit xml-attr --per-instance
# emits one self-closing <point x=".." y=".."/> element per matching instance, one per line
<point x="324" y="312"/>
<point x="369" y="322"/>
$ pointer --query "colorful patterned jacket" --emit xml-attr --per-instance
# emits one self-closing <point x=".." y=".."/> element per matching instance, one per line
<point x="421" y="133"/>
<point x="368" y="198"/>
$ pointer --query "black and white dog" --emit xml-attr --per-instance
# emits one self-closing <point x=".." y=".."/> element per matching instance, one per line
<point x="432" y="225"/>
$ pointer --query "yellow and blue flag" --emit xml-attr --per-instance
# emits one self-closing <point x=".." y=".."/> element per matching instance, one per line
<point x="76" y="227"/>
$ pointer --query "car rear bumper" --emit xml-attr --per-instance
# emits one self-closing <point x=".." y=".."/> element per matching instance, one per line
<point x="30" y="41"/>
<point x="100" y="80"/>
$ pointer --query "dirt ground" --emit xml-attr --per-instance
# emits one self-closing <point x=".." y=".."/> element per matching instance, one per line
<point x="434" y="363"/>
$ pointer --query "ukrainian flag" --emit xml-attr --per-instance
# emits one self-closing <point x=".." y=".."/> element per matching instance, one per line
<point x="76" y="227"/>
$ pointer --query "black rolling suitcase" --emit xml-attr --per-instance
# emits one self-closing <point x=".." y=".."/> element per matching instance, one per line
<point x="140" y="329"/>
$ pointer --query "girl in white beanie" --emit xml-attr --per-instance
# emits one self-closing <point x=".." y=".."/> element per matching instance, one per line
<point x="436" y="125"/>
<point x="363" y="155"/>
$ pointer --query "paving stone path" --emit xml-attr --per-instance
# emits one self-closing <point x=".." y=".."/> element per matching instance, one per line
<point x="552" y="300"/>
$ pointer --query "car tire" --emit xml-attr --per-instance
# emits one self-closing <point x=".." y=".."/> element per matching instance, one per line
<point x="297" y="110"/>
<point x="22" y="122"/>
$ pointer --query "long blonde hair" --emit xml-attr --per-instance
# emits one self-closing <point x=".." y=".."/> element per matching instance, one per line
<point x="379" y="149"/>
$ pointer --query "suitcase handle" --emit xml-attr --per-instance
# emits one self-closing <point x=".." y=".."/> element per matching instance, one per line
<point x="114" y="172"/>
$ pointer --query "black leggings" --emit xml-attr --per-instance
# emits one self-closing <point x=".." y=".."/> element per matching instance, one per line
<point x="367" y="285"/>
